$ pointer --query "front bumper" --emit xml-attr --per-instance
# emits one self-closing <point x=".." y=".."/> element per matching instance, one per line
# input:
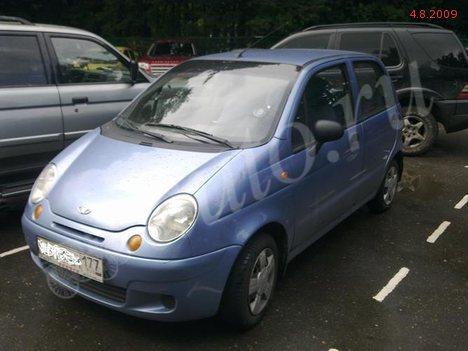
<point x="194" y="285"/>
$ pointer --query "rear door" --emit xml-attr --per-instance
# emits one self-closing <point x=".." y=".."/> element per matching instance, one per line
<point x="378" y="114"/>
<point x="30" y="114"/>
<point x="94" y="82"/>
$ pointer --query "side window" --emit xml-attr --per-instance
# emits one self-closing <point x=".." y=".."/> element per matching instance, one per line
<point x="375" y="89"/>
<point x="326" y="96"/>
<point x="389" y="53"/>
<point x="379" y="44"/>
<point x="21" y="61"/>
<point x="84" y="61"/>
<point x="443" y="48"/>
<point x="367" y="42"/>
<point x="308" y="41"/>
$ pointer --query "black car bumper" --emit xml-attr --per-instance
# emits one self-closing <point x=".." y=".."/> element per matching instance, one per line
<point x="453" y="114"/>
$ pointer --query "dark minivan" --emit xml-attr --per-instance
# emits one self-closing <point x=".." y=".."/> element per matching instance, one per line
<point x="427" y="64"/>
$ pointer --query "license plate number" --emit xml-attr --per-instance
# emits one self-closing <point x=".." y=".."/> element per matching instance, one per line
<point x="72" y="260"/>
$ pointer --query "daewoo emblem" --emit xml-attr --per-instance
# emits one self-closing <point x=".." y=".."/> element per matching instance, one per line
<point x="84" y="211"/>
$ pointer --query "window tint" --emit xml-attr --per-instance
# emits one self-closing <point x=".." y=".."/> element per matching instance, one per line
<point x="21" y="61"/>
<point x="326" y="96"/>
<point x="84" y="61"/>
<point x="443" y="48"/>
<point x="309" y="41"/>
<point x="389" y="53"/>
<point x="378" y="44"/>
<point x="375" y="88"/>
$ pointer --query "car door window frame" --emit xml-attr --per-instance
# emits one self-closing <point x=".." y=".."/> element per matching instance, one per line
<point x="43" y="54"/>
<point x="359" y="118"/>
<point x="56" y="69"/>
<point x="391" y="35"/>
<point x="348" y="76"/>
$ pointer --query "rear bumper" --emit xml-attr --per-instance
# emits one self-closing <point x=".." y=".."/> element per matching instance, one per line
<point x="453" y="114"/>
<point x="141" y="286"/>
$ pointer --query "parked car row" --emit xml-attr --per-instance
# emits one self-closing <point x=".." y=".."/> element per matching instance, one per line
<point x="172" y="207"/>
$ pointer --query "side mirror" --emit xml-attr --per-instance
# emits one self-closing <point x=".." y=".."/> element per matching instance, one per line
<point x="326" y="130"/>
<point x="134" y="71"/>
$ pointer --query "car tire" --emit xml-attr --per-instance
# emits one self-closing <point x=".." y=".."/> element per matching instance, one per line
<point x="419" y="131"/>
<point x="387" y="191"/>
<point x="244" y="303"/>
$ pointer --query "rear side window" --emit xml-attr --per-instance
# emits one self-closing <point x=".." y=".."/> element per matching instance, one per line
<point x="327" y="96"/>
<point x="21" y="61"/>
<point x="379" y="44"/>
<point x="443" y="48"/>
<point x="84" y="61"/>
<point x="309" y="41"/>
<point x="375" y="89"/>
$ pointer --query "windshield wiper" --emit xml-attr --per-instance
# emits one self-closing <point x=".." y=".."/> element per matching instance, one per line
<point x="133" y="127"/>
<point x="193" y="131"/>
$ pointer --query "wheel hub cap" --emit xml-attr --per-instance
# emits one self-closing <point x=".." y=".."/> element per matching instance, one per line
<point x="390" y="185"/>
<point x="414" y="131"/>
<point x="262" y="280"/>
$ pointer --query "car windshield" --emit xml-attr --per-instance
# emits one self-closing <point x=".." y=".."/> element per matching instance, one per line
<point x="172" y="48"/>
<point x="237" y="102"/>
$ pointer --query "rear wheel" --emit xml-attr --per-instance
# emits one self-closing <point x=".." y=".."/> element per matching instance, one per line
<point x="419" y="131"/>
<point x="251" y="283"/>
<point x="387" y="191"/>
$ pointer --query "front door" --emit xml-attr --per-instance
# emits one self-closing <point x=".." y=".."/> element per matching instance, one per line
<point x="94" y="83"/>
<point x="328" y="173"/>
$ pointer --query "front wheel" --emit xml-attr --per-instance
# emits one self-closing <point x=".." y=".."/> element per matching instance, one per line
<point x="387" y="191"/>
<point x="251" y="283"/>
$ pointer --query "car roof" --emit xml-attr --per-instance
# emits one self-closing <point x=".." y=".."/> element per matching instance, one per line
<point x="298" y="57"/>
<point x="373" y="25"/>
<point x="49" y="28"/>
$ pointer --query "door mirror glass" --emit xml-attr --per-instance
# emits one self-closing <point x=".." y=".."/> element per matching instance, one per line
<point x="326" y="130"/>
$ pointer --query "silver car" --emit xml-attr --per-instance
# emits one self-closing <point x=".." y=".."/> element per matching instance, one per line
<point x="56" y="84"/>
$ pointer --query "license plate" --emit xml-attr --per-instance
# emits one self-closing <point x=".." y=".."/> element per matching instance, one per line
<point x="72" y="260"/>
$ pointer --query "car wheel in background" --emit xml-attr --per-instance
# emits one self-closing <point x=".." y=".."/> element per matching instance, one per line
<point x="419" y="131"/>
<point x="251" y="283"/>
<point x="387" y="191"/>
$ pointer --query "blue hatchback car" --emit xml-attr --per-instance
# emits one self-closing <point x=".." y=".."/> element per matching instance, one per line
<point x="193" y="200"/>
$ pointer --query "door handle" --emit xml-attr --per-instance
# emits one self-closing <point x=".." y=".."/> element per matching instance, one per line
<point x="80" y="100"/>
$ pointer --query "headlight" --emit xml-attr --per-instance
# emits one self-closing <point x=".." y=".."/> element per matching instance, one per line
<point x="43" y="183"/>
<point x="172" y="218"/>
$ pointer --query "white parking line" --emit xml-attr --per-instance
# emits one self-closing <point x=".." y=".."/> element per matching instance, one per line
<point x="387" y="289"/>
<point x="12" y="252"/>
<point x="462" y="203"/>
<point x="438" y="232"/>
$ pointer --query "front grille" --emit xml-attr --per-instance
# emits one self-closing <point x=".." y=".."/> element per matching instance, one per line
<point x="68" y="230"/>
<point x="107" y="291"/>
<point x="157" y="70"/>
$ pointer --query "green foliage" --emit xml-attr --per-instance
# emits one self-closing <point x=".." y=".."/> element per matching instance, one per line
<point x="228" y="23"/>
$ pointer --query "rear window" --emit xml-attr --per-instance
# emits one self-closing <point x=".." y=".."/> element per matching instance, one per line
<point x="443" y="48"/>
<point x="309" y="41"/>
<point x="21" y="61"/>
<point x="172" y="48"/>
<point x="375" y="89"/>
<point x="379" y="44"/>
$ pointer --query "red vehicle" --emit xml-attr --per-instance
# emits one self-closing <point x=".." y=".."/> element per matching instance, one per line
<point x="165" y="54"/>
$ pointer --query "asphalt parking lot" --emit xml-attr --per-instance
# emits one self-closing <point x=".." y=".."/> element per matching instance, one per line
<point x="324" y="302"/>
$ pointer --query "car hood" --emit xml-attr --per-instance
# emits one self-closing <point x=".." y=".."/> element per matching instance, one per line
<point x="120" y="183"/>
